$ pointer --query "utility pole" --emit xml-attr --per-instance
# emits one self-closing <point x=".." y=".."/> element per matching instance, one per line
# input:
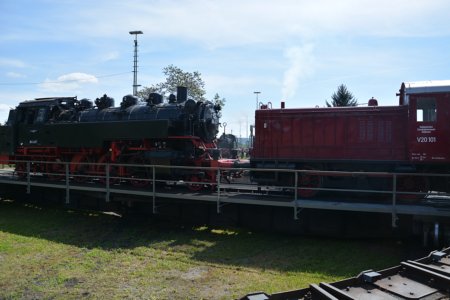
<point x="257" y="93"/>
<point x="135" y="85"/>
<point x="246" y="131"/>
<point x="252" y="127"/>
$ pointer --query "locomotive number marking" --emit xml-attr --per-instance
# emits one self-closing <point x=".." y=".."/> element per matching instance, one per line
<point x="426" y="139"/>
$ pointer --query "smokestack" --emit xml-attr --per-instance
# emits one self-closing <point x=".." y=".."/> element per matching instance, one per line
<point x="181" y="94"/>
<point x="282" y="104"/>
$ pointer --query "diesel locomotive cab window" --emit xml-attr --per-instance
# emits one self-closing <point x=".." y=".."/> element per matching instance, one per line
<point x="426" y="110"/>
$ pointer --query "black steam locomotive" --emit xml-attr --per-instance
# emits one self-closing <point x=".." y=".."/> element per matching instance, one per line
<point x="227" y="143"/>
<point x="64" y="129"/>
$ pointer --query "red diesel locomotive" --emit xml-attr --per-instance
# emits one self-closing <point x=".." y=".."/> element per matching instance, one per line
<point x="413" y="137"/>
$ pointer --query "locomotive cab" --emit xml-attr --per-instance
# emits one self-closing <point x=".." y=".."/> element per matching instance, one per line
<point x="32" y="118"/>
<point x="429" y="126"/>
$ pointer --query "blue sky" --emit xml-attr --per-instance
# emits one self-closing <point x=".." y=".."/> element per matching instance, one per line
<point x="292" y="50"/>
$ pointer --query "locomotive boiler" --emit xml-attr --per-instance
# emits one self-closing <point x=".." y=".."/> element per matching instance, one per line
<point x="64" y="129"/>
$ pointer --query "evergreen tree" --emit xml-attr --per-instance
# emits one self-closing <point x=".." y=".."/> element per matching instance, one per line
<point x="342" y="97"/>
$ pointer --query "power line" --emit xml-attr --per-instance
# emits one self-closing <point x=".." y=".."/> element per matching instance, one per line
<point x="60" y="81"/>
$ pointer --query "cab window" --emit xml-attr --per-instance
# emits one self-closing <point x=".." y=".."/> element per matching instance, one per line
<point x="41" y="116"/>
<point x="426" y="110"/>
<point x="30" y="115"/>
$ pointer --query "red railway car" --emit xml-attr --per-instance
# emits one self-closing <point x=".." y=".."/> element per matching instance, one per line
<point x="411" y="137"/>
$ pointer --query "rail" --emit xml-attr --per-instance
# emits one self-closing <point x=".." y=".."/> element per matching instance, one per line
<point x="235" y="185"/>
<point x="424" y="278"/>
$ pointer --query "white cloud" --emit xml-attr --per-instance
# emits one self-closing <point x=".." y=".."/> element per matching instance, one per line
<point x="232" y="22"/>
<point x="301" y="64"/>
<point x="78" y="77"/>
<point x="15" y="63"/>
<point x="15" y="75"/>
<point x="68" y="82"/>
<point x="236" y="22"/>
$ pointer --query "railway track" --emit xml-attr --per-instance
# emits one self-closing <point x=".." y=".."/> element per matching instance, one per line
<point x="426" y="278"/>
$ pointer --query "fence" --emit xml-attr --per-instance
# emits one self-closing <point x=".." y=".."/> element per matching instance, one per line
<point x="236" y="185"/>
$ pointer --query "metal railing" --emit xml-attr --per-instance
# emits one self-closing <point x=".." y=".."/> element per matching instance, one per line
<point x="223" y="182"/>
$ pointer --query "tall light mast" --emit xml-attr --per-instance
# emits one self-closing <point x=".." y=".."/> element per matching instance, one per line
<point x="135" y="85"/>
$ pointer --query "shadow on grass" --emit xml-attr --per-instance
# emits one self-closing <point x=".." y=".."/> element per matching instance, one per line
<point x="226" y="246"/>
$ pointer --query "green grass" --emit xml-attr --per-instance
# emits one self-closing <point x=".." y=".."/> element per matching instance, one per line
<point x="54" y="253"/>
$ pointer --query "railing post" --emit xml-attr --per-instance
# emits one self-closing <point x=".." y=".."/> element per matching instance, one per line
<point x="394" y="201"/>
<point x="436" y="234"/>
<point x="154" y="189"/>
<point x="107" y="182"/>
<point x="295" y="195"/>
<point x="66" y="166"/>
<point x="28" y="177"/>
<point x="218" y="190"/>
